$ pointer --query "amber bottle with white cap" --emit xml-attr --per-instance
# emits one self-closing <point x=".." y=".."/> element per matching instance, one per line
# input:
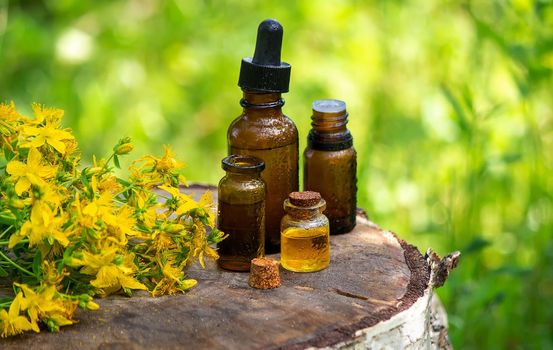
<point x="330" y="164"/>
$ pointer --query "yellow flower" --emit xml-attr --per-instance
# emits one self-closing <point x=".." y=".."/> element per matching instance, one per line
<point x="45" y="305"/>
<point x="147" y="213"/>
<point x="47" y="130"/>
<point x="31" y="173"/>
<point x="99" y="207"/>
<point x="201" y="247"/>
<point x="154" y="170"/>
<point x="206" y="203"/>
<point x="110" y="277"/>
<point x="47" y="114"/>
<point x="49" y="193"/>
<point x="121" y="225"/>
<point x="167" y="163"/>
<point x="43" y="225"/>
<point x="50" y="274"/>
<point x="161" y="241"/>
<point x="12" y="322"/>
<point x="172" y="281"/>
<point x="46" y="134"/>
<point x="180" y="203"/>
<point x="8" y="112"/>
<point x="9" y="120"/>
<point x="109" y="184"/>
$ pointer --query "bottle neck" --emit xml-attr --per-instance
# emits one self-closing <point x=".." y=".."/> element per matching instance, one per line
<point x="241" y="176"/>
<point x="329" y="131"/>
<point x="304" y="213"/>
<point x="262" y="103"/>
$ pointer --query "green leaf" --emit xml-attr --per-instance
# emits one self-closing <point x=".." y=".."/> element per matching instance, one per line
<point x="116" y="161"/>
<point x="475" y="246"/>
<point x="84" y="177"/>
<point x="458" y="108"/>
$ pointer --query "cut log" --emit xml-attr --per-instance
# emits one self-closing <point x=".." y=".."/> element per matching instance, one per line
<point x="375" y="294"/>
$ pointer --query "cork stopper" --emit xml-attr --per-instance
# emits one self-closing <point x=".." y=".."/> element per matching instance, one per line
<point x="264" y="274"/>
<point x="304" y="199"/>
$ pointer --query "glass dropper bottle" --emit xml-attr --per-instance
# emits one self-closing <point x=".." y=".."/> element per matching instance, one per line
<point x="262" y="130"/>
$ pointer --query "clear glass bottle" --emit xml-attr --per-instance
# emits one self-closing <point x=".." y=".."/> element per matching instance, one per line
<point x="330" y="164"/>
<point x="262" y="130"/>
<point x="241" y="212"/>
<point x="305" y="240"/>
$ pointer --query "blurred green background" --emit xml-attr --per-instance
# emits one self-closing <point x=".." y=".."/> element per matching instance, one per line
<point x="451" y="108"/>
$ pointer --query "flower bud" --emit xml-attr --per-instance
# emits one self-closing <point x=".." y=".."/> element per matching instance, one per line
<point x="95" y="170"/>
<point x="124" y="149"/>
<point x="173" y="228"/>
<point x="92" y="306"/>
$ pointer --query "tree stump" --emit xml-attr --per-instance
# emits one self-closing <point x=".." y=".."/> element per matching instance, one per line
<point x="376" y="293"/>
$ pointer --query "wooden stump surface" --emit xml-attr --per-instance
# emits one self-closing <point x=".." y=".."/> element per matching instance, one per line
<point x="373" y="276"/>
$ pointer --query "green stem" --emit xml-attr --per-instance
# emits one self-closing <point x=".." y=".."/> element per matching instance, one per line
<point x="22" y="241"/>
<point x="108" y="160"/>
<point x="22" y="269"/>
<point x="6" y="231"/>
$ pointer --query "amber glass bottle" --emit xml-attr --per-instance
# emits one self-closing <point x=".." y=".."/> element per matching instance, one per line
<point x="330" y="164"/>
<point x="305" y="245"/>
<point x="241" y="212"/>
<point x="262" y="130"/>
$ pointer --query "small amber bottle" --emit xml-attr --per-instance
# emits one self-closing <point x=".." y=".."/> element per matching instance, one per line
<point x="305" y="244"/>
<point x="241" y="212"/>
<point x="330" y="164"/>
<point x="262" y="130"/>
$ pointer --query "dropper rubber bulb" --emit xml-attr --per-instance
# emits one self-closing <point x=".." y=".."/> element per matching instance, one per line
<point x="268" y="44"/>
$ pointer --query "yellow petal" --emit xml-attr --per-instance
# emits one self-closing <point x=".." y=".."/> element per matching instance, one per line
<point x="34" y="157"/>
<point x="211" y="252"/>
<point x="16" y="168"/>
<point x="187" y="206"/>
<point x="22" y="324"/>
<point x="34" y="143"/>
<point x="31" y="130"/>
<point x="14" y="239"/>
<point x="206" y="199"/>
<point x="106" y="277"/>
<point x="47" y="171"/>
<point x="22" y="185"/>
<point x="15" y="307"/>
<point x="58" y="145"/>
<point x="172" y="190"/>
<point x="61" y="238"/>
<point x="62" y="135"/>
<point x="60" y="320"/>
<point x="131" y="283"/>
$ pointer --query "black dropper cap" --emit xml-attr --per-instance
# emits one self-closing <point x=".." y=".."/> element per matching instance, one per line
<point x="265" y="72"/>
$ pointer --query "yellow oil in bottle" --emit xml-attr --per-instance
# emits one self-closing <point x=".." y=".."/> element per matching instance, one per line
<point x="305" y="249"/>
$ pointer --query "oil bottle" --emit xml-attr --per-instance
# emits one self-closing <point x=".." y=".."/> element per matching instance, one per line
<point x="330" y="164"/>
<point x="262" y="130"/>
<point x="241" y="212"/>
<point x="305" y="245"/>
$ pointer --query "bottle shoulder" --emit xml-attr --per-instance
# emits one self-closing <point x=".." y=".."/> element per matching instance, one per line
<point x="263" y="132"/>
<point x="289" y="221"/>
<point x="343" y="154"/>
<point x="243" y="190"/>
